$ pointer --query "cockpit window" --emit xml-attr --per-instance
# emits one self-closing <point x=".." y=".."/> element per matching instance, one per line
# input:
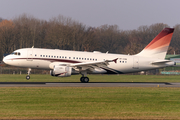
<point x="16" y="53"/>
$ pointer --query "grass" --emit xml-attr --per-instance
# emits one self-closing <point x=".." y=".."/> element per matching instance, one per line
<point x="93" y="78"/>
<point x="90" y="102"/>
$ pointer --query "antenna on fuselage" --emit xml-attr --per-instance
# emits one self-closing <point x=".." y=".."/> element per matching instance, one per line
<point x="32" y="46"/>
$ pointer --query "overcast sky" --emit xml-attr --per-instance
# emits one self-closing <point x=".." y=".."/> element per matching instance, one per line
<point x="127" y="14"/>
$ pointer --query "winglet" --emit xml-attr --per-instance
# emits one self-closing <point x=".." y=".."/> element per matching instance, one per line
<point x="115" y="60"/>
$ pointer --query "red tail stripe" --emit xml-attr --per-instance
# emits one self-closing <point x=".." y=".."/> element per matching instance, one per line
<point x="165" y="41"/>
<point x="164" y="34"/>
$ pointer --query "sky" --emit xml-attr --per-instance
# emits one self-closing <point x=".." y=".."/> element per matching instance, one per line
<point x="127" y="14"/>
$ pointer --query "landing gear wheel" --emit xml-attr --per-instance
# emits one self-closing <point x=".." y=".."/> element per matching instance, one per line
<point x="27" y="77"/>
<point x="84" y="79"/>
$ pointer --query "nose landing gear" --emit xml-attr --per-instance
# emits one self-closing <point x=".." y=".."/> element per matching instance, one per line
<point x="28" y="76"/>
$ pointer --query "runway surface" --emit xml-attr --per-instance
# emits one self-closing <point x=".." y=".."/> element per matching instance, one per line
<point x="90" y="84"/>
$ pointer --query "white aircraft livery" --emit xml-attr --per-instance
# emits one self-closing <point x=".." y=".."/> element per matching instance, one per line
<point x="64" y="63"/>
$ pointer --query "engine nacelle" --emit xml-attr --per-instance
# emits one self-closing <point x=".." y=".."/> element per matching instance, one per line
<point x="61" y="71"/>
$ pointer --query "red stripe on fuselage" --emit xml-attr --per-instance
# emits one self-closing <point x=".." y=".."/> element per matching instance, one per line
<point x="51" y="60"/>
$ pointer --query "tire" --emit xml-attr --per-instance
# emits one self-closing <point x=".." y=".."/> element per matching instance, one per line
<point x="27" y="77"/>
<point x="82" y="79"/>
<point x="86" y="79"/>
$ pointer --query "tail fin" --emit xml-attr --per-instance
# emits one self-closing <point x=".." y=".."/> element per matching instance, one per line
<point x="158" y="47"/>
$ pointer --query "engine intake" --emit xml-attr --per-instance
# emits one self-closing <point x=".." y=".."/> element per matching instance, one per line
<point x="61" y="71"/>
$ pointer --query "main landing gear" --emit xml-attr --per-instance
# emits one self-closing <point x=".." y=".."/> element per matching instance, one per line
<point x="28" y="76"/>
<point x="84" y="78"/>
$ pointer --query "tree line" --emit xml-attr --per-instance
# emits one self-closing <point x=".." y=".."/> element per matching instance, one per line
<point x="61" y="32"/>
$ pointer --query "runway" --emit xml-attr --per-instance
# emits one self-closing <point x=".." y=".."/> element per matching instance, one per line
<point x="90" y="84"/>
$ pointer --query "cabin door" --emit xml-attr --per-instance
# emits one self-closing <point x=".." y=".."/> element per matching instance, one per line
<point x="30" y="55"/>
<point x="136" y="63"/>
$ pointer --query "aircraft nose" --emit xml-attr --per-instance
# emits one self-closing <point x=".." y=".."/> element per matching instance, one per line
<point x="5" y="60"/>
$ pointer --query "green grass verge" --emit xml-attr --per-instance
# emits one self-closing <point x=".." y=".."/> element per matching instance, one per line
<point x="89" y="103"/>
<point x="93" y="78"/>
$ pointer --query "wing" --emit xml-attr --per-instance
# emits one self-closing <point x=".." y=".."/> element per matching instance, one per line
<point x="91" y="65"/>
<point x="84" y="66"/>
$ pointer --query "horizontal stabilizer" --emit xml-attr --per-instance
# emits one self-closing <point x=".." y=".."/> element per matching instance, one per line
<point x="164" y="62"/>
<point x="161" y="61"/>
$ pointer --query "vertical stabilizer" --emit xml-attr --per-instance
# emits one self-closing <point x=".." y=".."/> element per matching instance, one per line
<point x="158" y="47"/>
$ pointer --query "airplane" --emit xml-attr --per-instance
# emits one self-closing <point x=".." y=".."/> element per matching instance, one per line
<point x="64" y="63"/>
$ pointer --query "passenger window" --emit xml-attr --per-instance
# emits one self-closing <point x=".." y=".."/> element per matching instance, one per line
<point x="69" y="57"/>
<point x="43" y="55"/>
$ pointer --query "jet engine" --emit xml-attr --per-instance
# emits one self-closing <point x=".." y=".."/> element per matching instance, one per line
<point x="61" y="71"/>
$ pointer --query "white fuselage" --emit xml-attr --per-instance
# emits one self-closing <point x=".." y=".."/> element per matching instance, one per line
<point x="46" y="58"/>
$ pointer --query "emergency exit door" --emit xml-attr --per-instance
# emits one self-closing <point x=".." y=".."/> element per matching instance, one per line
<point x="30" y="55"/>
